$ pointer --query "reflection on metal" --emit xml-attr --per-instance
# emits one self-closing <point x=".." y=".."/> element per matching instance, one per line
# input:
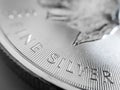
<point x="46" y="47"/>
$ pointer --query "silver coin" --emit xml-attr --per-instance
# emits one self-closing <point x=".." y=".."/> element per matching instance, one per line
<point x="41" y="37"/>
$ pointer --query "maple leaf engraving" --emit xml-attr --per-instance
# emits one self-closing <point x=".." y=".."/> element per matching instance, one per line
<point x="91" y="18"/>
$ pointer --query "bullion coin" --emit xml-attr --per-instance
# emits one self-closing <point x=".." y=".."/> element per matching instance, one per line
<point x="68" y="44"/>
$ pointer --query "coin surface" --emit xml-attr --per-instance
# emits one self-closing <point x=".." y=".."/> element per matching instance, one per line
<point x="44" y="47"/>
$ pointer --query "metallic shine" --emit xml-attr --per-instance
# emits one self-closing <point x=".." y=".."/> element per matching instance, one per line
<point x="46" y="48"/>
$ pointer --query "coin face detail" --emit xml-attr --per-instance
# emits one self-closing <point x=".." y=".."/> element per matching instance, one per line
<point x="92" y="18"/>
<point x="44" y="45"/>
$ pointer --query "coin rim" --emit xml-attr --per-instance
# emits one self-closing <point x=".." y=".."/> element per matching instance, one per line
<point x="14" y="54"/>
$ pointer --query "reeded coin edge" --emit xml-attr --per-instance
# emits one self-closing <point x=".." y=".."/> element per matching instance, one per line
<point x="27" y="75"/>
<point x="52" y="80"/>
<point x="24" y="71"/>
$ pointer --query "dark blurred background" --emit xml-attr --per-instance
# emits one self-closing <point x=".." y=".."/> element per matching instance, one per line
<point x="8" y="79"/>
